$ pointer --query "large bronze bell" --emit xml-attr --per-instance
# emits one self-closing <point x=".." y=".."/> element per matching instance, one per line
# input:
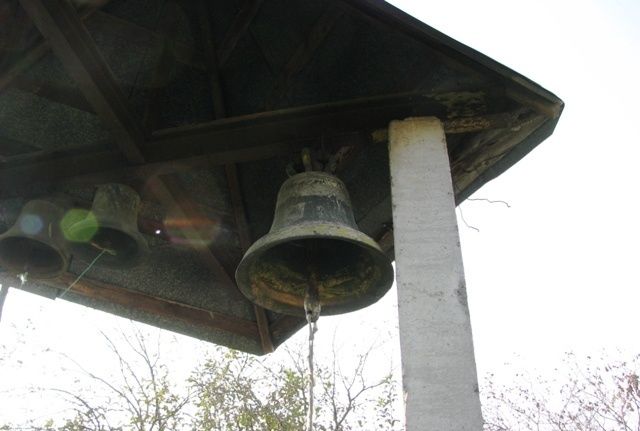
<point x="110" y="228"/>
<point x="35" y="243"/>
<point x="314" y="240"/>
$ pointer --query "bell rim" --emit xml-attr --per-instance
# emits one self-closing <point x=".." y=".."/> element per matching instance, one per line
<point x="79" y="246"/>
<point x="281" y="236"/>
<point x="63" y="253"/>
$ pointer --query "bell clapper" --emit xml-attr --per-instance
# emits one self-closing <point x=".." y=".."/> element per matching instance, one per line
<point x="104" y="249"/>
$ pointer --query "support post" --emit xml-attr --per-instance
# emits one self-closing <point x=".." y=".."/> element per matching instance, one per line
<point x="439" y="371"/>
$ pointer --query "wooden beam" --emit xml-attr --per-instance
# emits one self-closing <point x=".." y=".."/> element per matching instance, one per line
<point x="25" y="62"/>
<point x="241" y="139"/>
<point x="309" y="122"/>
<point x="242" y="226"/>
<point x="244" y="235"/>
<point x="60" y="24"/>
<point x="19" y="174"/>
<point x="153" y="305"/>
<point x="486" y="148"/>
<point x="159" y="78"/>
<point x="237" y="30"/>
<point x="303" y="54"/>
<point x="179" y="51"/>
<point x="503" y="120"/>
<point x="68" y="96"/>
<point x="212" y="60"/>
<point x="32" y="56"/>
<point x="10" y="149"/>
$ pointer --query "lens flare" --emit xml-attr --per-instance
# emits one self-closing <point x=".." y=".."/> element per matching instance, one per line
<point x="70" y="222"/>
<point x="31" y="224"/>
<point x="198" y="231"/>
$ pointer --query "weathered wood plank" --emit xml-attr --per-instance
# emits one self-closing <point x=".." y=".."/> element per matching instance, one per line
<point x="157" y="306"/>
<point x="310" y="122"/>
<point x="487" y="148"/>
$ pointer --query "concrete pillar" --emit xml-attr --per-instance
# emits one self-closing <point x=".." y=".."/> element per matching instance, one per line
<point x="438" y="364"/>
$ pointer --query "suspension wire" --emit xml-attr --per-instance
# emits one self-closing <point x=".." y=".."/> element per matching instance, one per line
<point x="312" y="309"/>
<point x="104" y="250"/>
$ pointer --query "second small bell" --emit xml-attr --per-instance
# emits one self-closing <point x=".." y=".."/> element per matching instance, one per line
<point x="110" y="228"/>
<point x="314" y="242"/>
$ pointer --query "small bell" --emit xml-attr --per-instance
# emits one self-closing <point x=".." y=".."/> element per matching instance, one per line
<point x="35" y="243"/>
<point x="314" y="241"/>
<point x="110" y="228"/>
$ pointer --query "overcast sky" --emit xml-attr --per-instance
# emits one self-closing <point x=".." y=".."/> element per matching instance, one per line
<point x="556" y="272"/>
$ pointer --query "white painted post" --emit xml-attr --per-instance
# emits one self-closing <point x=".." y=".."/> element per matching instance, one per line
<point x="439" y="370"/>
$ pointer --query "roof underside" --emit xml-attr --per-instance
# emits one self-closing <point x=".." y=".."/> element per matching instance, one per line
<point x="201" y="106"/>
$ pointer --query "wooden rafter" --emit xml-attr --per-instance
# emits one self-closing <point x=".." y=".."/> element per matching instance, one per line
<point x="179" y="51"/>
<point x="237" y="30"/>
<point x="244" y="234"/>
<point x="29" y="58"/>
<point x="303" y="54"/>
<point x="477" y="158"/>
<point x="67" y="96"/>
<point x="212" y="60"/>
<point x="314" y="122"/>
<point x="159" y="77"/>
<point x="60" y="24"/>
<point x="246" y="138"/>
<point x="21" y="173"/>
<point x="219" y="109"/>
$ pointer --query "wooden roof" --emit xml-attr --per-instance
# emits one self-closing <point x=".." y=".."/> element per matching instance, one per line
<point x="202" y="105"/>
